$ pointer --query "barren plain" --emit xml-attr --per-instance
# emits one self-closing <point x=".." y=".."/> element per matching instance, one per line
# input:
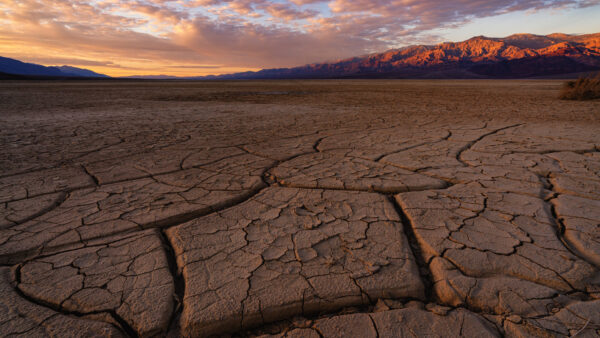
<point x="298" y="209"/>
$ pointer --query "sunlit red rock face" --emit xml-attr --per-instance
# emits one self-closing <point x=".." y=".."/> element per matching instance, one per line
<point x="519" y="55"/>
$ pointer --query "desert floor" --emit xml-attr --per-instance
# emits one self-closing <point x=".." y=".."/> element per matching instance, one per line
<point x="298" y="209"/>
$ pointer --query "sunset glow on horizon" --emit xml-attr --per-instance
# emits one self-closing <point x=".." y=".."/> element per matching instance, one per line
<point x="203" y="37"/>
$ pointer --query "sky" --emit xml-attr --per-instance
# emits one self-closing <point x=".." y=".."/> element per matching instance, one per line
<point x="202" y="37"/>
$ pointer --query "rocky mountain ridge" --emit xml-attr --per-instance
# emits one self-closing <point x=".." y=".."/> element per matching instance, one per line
<point x="519" y="55"/>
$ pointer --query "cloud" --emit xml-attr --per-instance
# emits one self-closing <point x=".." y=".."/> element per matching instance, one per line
<point x="198" y="66"/>
<point x="142" y="34"/>
<point x="156" y="12"/>
<point x="288" y="12"/>
<point x="242" y="43"/>
<point x="58" y="61"/>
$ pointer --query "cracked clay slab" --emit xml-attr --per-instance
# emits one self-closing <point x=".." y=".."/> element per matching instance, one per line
<point x="495" y="251"/>
<point x="291" y="251"/>
<point x="335" y="170"/>
<point x="132" y="205"/>
<point x="20" y="317"/>
<point x="407" y="322"/>
<point x="126" y="275"/>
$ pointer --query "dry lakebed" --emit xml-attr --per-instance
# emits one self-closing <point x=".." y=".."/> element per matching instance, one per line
<point x="364" y="208"/>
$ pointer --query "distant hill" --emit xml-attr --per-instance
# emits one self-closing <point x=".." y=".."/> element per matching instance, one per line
<point x="74" y="71"/>
<point x="16" y="67"/>
<point x="515" y="56"/>
<point x="152" y="77"/>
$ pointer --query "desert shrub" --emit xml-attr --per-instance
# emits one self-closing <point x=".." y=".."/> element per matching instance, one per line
<point x="584" y="88"/>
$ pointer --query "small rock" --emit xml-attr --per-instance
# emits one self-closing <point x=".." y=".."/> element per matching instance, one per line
<point x="394" y="304"/>
<point x="301" y="322"/>
<point x="514" y="319"/>
<point x="437" y="309"/>
<point x="380" y="306"/>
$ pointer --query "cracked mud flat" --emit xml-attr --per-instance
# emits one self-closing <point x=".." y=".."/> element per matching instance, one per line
<point x="361" y="208"/>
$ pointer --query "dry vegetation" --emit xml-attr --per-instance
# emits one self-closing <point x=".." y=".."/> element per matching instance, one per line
<point x="584" y="88"/>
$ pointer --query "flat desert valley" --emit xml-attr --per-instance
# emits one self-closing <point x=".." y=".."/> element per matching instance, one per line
<point x="364" y="208"/>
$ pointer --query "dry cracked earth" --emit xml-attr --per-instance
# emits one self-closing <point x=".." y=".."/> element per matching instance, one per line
<point x="298" y="209"/>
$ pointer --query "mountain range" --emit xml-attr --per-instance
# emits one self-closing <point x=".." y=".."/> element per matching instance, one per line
<point x="515" y="56"/>
<point x="16" y="67"/>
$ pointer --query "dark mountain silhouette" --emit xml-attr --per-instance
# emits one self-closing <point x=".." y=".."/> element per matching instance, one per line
<point x="74" y="71"/>
<point x="16" y="67"/>
<point x="152" y="77"/>
<point x="516" y="56"/>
